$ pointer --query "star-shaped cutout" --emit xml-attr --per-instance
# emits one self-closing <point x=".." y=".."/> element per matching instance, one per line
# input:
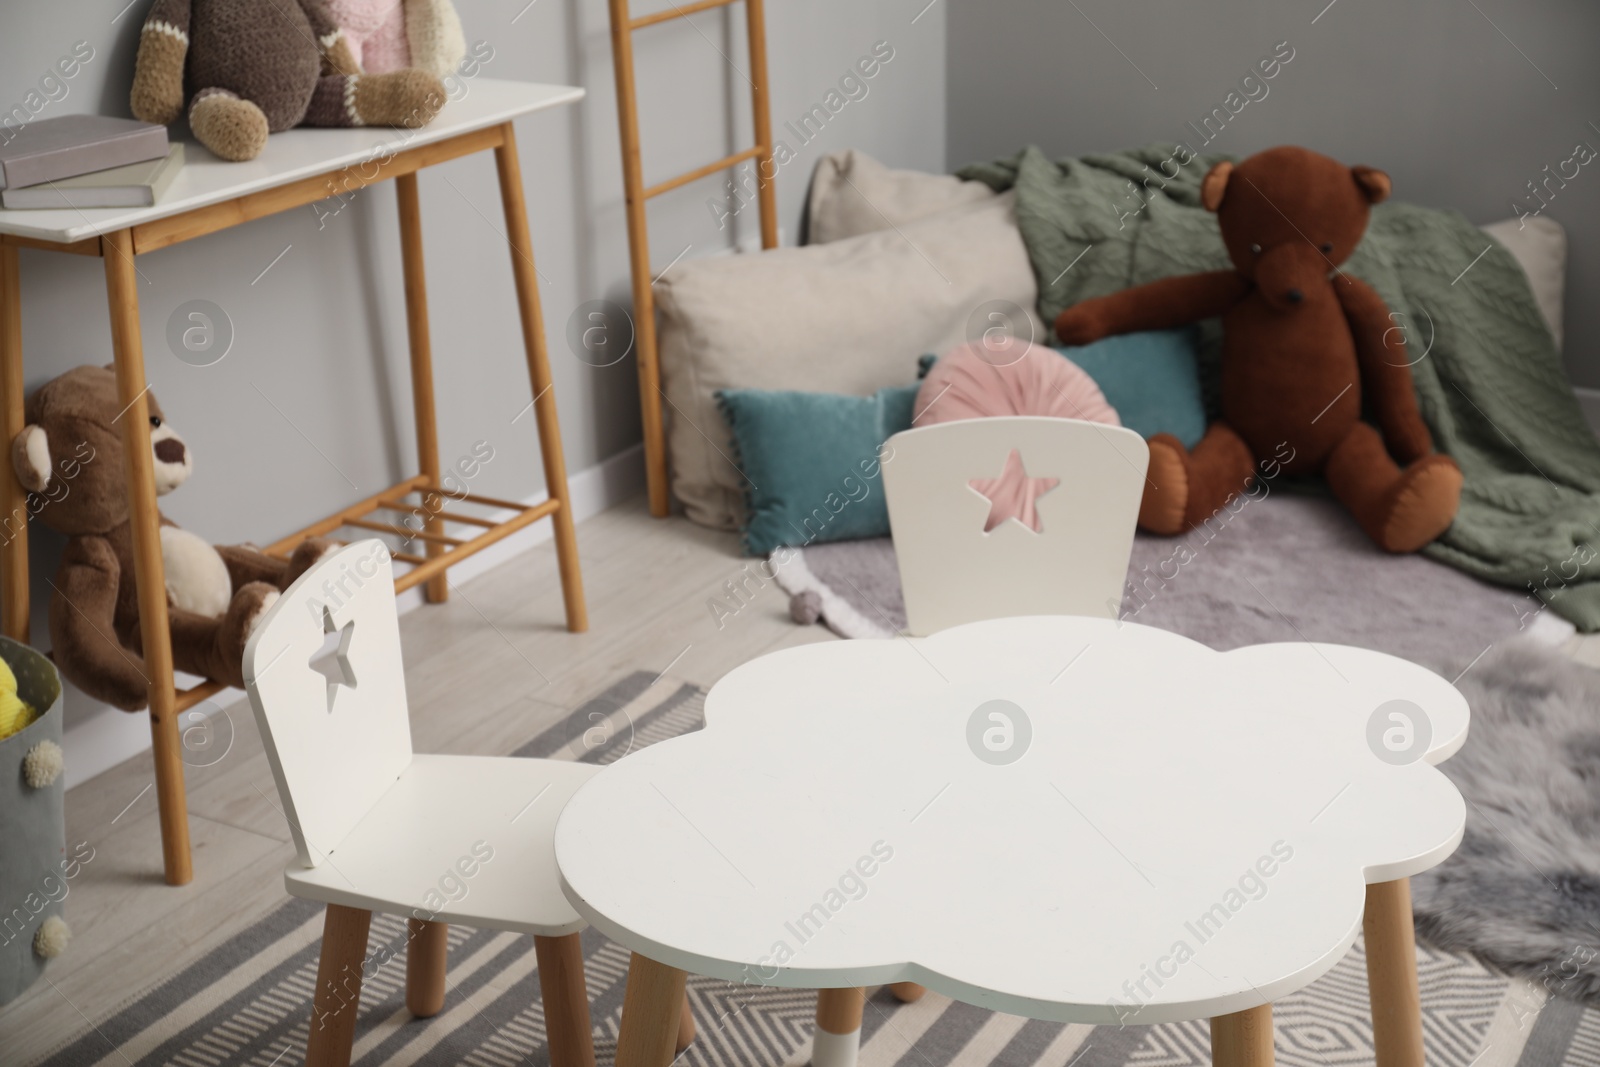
<point x="335" y="668"/>
<point x="1013" y="494"/>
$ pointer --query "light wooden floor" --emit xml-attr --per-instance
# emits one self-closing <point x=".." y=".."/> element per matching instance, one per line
<point x="485" y="672"/>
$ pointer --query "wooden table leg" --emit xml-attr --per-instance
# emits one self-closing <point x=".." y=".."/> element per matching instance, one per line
<point x="337" y="998"/>
<point x="651" y="1010"/>
<point x="427" y="957"/>
<point x="1392" y="974"/>
<point x="685" y="1026"/>
<point x="907" y="992"/>
<point x="837" y="1037"/>
<point x="1243" y="1039"/>
<point x="127" y="349"/>
<point x="437" y="588"/>
<point x="544" y="400"/>
<point x="13" y="498"/>
<point x="566" y="1000"/>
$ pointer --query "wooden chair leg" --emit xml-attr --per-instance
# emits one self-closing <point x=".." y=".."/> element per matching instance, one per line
<point x="651" y="1011"/>
<point x="544" y="400"/>
<point x="427" y="956"/>
<point x="127" y="349"/>
<point x="566" y="1000"/>
<point x="837" y="1037"/>
<point x="685" y="1026"/>
<point x="1392" y="974"/>
<point x="1243" y="1039"/>
<point x="338" y="995"/>
<point x="436" y="589"/>
<point x="13" y="498"/>
<point x="907" y="992"/>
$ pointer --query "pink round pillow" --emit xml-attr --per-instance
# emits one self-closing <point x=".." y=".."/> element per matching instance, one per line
<point x="1010" y="377"/>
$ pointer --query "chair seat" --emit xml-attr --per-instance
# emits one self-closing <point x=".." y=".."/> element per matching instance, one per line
<point x="421" y="850"/>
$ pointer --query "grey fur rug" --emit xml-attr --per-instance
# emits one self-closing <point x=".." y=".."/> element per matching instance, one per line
<point x="1523" y="891"/>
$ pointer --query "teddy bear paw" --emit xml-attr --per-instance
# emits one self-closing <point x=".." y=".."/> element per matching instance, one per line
<point x="1078" y="326"/>
<point x="306" y="555"/>
<point x="229" y="125"/>
<point x="408" y="98"/>
<point x="1422" y="505"/>
<point x="1166" y="487"/>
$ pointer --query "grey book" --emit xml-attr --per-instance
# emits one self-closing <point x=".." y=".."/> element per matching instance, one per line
<point x="70" y="145"/>
<point x="136" y="185"/>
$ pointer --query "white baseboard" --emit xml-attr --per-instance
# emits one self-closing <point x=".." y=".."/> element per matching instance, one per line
<point x="102" y="736"/>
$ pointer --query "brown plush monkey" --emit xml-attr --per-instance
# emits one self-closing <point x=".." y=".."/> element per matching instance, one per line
<point x="253" y="67"/>
<point x="1304" y="344"/>
<point x="69" y="457"/>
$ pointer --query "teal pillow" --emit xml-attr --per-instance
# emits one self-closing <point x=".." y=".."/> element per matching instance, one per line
<point x="1152" y="379"/>
<point x="811" y="462"/>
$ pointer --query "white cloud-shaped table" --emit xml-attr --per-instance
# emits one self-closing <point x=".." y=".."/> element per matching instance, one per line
<point x="1186" y="834"/>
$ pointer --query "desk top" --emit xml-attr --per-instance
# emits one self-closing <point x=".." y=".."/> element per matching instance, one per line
<point x="1149" y="831"/>
<point x="299" y="153"/>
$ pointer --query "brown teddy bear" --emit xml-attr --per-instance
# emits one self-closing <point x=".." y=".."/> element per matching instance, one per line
<point x="1304" y="345"/>
<point x="69" y="456"/>
<point x="253" y="67"/>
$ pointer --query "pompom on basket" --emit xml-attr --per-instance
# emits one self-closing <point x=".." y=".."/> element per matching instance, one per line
<point x="34" y="867"/>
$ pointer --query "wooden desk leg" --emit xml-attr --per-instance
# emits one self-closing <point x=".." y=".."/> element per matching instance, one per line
<point x="837" y="1037"/>
<point x="1392" y="974"/>
<point x="128" y="353"/>
<point x="544" y="400"/>
<point x="651" y="1008"/>
<point x="907" y="992"/>
<point x="1243" y="1039"/>
<point x="437" y="588"/>
<point x="13" y="498"/>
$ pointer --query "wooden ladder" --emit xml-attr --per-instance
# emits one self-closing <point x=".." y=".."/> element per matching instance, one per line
<point x="637" y="193"/>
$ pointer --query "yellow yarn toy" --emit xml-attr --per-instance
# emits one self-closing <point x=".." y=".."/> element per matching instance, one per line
<point x="14" y="714"/>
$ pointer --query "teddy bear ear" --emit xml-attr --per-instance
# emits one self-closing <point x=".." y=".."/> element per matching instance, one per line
<point x="1374" y="183"/>
<point x="30" y="458"/>
<point x="1214" y="185"/>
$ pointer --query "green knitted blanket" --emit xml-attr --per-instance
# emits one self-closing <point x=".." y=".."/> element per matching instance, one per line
<point x="1488" y="377"/>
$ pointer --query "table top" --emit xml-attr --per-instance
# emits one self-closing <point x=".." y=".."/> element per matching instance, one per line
<point x="1149" y="830"/>
<point x="303" y="152"/>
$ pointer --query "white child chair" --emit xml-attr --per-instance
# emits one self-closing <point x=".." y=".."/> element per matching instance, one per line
<point x="946" y="485"/>
<point x="953" y="570"/>
<point x="441" y="839"/>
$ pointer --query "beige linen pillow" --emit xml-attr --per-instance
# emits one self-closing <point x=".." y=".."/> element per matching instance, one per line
<point x="853" y="194"/>
<point x="850" y="316"/>
<point x="1540" y="246"/>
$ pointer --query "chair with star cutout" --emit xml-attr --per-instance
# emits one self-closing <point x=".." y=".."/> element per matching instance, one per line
<point x="1017" y="515"/>
<point x="995" y="517"/>
<point x="441" y="839"/>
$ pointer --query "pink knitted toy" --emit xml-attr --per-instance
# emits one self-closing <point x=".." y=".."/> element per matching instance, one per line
<point x="388" y="35"/>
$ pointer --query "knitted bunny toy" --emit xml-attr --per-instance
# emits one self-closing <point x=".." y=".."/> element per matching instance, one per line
<point x="254" y="67"/>
<point x="388" y="35"/>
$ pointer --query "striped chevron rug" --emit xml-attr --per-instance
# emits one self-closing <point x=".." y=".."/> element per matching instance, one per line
<point x="248" y="1001"/>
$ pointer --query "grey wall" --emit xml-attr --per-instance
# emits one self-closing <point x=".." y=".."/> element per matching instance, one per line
<point x="1461" y="112"/>
<point x="311" y="407"/>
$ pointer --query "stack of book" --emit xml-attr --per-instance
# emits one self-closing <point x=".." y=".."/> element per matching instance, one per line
<point x="86" y="161"/>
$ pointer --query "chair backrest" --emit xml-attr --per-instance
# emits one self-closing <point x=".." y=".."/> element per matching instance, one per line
<point x="334" y="746"/>
<point x="953" y="571"/>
